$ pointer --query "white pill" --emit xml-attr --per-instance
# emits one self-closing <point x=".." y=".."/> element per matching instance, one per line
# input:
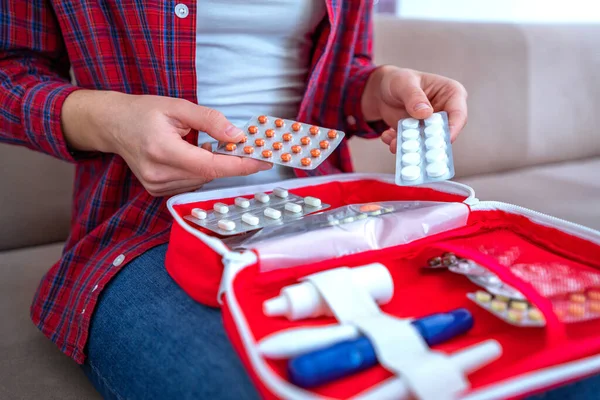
<point x="437" y="169"/>
<point x="280" y="192"/>
<point x="435" y="143"/>
<point x="221" y="208"/>
<point x="262" y="197"/>
<point x="411" y="173"/>
<point x="411" y="159"/>
<point x="293" y="207"/>
<point x="410" y="123"/>
<point x="411" y="146"/>
<point x="436" y="155"/>
<point x="242" y="202"/>
<point x="199" y="213"/>
<point x="434" y="130"/>
<point x="348" y="220"/>
<point x="410" y="134"/>
<point x="272" y="213"/>
<point x="226" y="225"/>
<point x="312" y="201"/>
<point x="434" y="119"/>
<point x="250" y="219"/>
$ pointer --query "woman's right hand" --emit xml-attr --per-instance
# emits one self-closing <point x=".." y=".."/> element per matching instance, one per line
<point x="147" y="131"/>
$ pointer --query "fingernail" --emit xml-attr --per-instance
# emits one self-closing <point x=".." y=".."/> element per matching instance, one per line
<point x="233" y="131"/>
<point x="421" y="106"/>
<point x="265" y="166"/>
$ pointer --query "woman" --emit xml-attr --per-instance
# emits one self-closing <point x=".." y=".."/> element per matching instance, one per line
<point x="152" y="81"/>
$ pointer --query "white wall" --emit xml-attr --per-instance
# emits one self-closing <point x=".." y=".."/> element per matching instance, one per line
<point x="534" y="11"/>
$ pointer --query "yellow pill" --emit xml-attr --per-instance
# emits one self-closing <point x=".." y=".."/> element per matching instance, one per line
<point x="515" y="315"/>
<point x="483" y="297"/>
<point x="535" y="315"/>
<point x="498" y="305"/>
<point x="518" y="305"/>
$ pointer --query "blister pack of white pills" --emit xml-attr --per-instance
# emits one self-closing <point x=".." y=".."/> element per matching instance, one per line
<point x="285" y="142"/>
<point x="262" y="210"/>
<point x="424" y="150"/>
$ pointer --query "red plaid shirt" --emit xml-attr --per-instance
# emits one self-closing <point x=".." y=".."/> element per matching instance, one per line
<point x="137" y="47"/>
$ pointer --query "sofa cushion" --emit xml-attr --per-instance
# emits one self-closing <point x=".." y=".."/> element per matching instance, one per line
<point x="35" y="198"/>
<point x="570" y="191"/>
<point x="31" y="367"/>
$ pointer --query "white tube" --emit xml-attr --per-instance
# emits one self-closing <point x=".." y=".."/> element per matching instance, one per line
<point x="303" y="300"/>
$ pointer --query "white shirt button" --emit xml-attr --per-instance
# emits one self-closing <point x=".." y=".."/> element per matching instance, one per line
<point x="351" y="120"/>
<point x="181" y="10"/>
<point x="119" y="260"/>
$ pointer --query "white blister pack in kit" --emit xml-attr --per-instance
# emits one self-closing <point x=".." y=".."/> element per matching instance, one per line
<point x="285" y="142"/>
<point x="263" y="210"/>
<point x="424" y="150"/>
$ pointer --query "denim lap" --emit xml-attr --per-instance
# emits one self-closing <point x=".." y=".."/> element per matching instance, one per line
<point x="150" y="340"/>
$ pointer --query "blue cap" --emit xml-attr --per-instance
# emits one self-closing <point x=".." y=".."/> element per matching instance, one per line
<point x="349" y="357"/>
<point x="439" y="328"/>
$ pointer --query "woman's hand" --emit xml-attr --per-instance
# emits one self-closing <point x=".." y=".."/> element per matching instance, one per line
<point x="394" y="93"/>
<point x="148" y="131"/>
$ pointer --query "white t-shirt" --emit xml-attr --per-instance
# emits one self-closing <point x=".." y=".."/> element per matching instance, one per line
<point x="253" y="58"/>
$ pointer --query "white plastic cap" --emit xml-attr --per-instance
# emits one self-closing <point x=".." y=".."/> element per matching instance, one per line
<point x="475" y="357"/>
<point x="376" y="279"/>
<point x="276" y="306"/>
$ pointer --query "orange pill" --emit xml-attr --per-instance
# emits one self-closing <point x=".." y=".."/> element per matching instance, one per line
<point x="595" y="306"/>
<point x="259" y="142"/>
<point x="370" y="208"/>
<point x="269" y="133"/>
<point x="305" y="140"/>
<point x="267" y="153"/>
<point x="230" y="146"/>
<point x="244" y="139"/>
<point x="324" y="144"/>
<point x="578" y="298"/>
<point x="594" y="295"/>
<point x="279" y="123"/>
<point x="252" y="129"/>
<point x="332" y="134"/>
<point x="262" y="119"/>
<point x="286" y="157"/>
<point x="315" y="152"/>
<point x="306" y="161"/>
<point x="296" y="149"/>
<point x="287" y="137"/>
<point x="576" y="310"/>
<point x="314" y="130"/>
<point x="296" y="126"/>
<point x="248" y="149"/>
<point x="277" y="146"/>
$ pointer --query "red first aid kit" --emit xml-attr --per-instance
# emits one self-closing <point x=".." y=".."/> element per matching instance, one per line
<point x="533" y="287"/>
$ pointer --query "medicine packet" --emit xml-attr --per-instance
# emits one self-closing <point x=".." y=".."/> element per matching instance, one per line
<point x="276" y="208"/>
<point x="424" y="150"/>
<point x="285" y="142"/>
<point x="515" y="312"/>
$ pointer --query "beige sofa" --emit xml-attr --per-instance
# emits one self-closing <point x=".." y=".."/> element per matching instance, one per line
<point x="532" y="139"/>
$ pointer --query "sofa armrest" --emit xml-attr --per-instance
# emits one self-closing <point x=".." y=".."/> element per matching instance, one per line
<point x="534" y="90"/>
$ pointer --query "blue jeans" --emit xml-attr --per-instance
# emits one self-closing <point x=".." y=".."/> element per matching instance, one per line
<point x="150" y="340"/>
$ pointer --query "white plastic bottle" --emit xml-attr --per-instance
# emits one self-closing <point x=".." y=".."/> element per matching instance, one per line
<point x="303" y="300"/>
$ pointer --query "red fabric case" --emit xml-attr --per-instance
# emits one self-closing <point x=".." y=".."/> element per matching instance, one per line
<point x="533" y="359"/>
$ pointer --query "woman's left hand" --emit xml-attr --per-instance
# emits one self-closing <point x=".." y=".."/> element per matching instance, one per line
<point x="394" y="93"/>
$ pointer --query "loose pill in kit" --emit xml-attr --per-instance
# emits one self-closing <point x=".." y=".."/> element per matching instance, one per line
<point x="247" y="214"/>
<point x="424" y="150"/>
<point x="285" y="142"/>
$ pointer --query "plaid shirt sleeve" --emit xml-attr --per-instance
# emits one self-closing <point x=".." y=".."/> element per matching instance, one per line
<point x="361" y="69"/>
<point x="34" y="71"/>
